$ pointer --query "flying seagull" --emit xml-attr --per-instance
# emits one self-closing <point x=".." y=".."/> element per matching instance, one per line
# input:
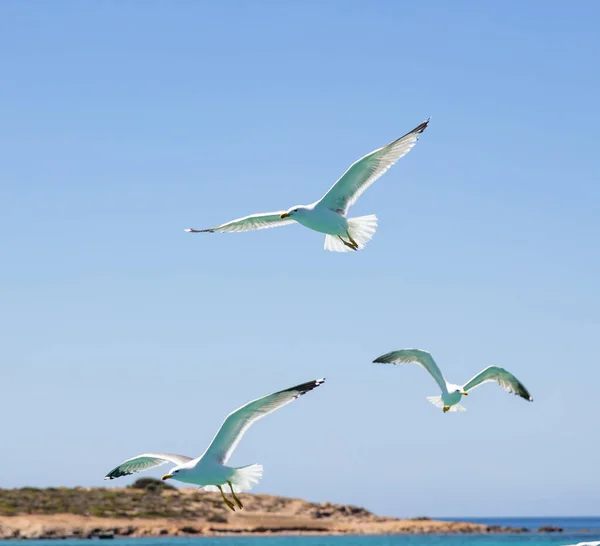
<point x="451" y="394"/>
<point x="209" y="471"/>
<point x="328" y="215"/>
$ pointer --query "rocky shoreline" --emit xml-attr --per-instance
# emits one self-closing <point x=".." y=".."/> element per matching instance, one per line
<point x="111" y="513"/>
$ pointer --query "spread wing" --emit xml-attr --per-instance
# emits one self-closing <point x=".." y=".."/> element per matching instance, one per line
<point x="361" y="174"/>
<point x="239" y="421"/>
<point x="262" y="220"/>
<point x="505" y="379"/>
<point x="416" y="356"/>
<point x="145" y="462"/>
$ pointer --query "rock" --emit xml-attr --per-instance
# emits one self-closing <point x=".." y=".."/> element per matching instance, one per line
<point x="502" y="529"/>
<point x="550" y="529"/>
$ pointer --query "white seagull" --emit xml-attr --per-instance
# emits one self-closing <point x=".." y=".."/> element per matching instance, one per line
<point x="328" y="215"/>
<point x="209" y="471"/>
<point x="451" y="394"/>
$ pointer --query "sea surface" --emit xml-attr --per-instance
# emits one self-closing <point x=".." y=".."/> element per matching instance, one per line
<point x="571" y="524"/>
<point x="575" y="530"/>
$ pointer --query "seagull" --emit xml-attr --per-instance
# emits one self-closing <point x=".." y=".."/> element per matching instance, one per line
<point x="328" y="215"/>
<point x="451" y="394"/>
<point x="209" y="471"/>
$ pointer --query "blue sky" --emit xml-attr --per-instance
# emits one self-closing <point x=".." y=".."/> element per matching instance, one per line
<point x="122" y="123"/>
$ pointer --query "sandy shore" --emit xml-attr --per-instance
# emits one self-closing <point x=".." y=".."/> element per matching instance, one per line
<point x="205" y="514"/>
<point x="72" y="526"/>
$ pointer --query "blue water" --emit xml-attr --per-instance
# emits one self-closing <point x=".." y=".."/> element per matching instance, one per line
<point x="576" y="530"/>
<point x="571" y="524"/>
<point x="533" y="539"/>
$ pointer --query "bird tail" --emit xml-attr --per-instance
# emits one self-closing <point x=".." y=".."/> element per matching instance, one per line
<point x="242" y="479"/>
<point x="439" y="403"/>
<point x="436" y="401"/>
<point x="245" y="477"/>
<point x="361" y="229"/>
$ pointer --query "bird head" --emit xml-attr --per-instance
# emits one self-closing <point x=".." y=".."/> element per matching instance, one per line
<point x="173" y="473"/>
<point x="293" y="212"/>
<point x="456" y="389"/>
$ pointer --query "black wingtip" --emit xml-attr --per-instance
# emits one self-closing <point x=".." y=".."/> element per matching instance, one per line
<point x="116" y="473"/>
<point x="422" y="127"/>
<point x="303" y="388"/>
<point x="528" y="397"/>
<point x="523" y="392"/>
<point x="384" y="359"/>
<point x="192" y="230"/>
<point x="415" y="132"/>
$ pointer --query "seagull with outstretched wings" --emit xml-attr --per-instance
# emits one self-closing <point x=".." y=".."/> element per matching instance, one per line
<point x="210" y="470"/>
<point x="328" y="215"/>
<point x="451" y="394"/>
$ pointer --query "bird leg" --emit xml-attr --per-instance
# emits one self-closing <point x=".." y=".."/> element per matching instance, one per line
<point x="446" y="408"/>
<point x="237" y="501"/>
<point x="347" y="244"/>
<point x="227" y="501"/>
<point x="352" y="240"/>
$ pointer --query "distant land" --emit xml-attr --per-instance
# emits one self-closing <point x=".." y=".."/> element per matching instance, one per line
<point x="148" y="508"/>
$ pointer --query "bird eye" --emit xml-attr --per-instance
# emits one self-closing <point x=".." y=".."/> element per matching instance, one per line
<point x="295" y="210"/>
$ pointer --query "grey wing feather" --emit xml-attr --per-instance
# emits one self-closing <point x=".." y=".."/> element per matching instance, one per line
<point x="364" y="172"/>
<point x="145" y="462"/>
<point x="416" y="356"/>
<point x="240" y="420"/>
<point x="262" y="220"/>
<point x="501" y="376"/>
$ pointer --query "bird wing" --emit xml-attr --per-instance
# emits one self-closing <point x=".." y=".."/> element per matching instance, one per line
<point x="361" y="174"/>
<point x="239" y="421"/>
<point x="145" y="462"/>
<point x="417" y="356"/>
<point x="263" y="220"/>
<point x="505" y="379"/>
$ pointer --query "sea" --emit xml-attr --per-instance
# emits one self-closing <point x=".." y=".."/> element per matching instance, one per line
<point x="576" y="530"/>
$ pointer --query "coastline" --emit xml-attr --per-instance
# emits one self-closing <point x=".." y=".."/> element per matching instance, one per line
<point x="111" y="513"/>
<point x="62" y="526"/>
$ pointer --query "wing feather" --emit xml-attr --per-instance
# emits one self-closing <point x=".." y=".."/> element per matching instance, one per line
<point x="416" y="356"/>
<point x="239" y="421"/>
<point x="262" y="220"/>
<point x="504" y="378"/>
<point x="362" y="173"/>
<point x="145" y="462"/>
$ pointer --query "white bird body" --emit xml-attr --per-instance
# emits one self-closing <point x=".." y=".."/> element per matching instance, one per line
<point x="328" y="215"/>
<point x="451" y="393"/>
<point x="210" y="471"/>
<point x="203" y="472"/>
<point x="319" y="218"/>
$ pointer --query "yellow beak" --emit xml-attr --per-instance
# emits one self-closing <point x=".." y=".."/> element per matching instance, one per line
<point x="464" y="393"/>
<point x="167" y="476"/>
<point x="284" y="215"/>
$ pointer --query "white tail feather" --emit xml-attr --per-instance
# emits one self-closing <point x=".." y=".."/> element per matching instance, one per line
<point x="361" y="229"/>
<point x="439" y="403"/>
<point x="243" y="479"/>
<point x="247" y="476"/>
<point x="436" y="401"/>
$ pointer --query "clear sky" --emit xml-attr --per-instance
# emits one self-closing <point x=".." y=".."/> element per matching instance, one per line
<point x="122" y="123"/>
